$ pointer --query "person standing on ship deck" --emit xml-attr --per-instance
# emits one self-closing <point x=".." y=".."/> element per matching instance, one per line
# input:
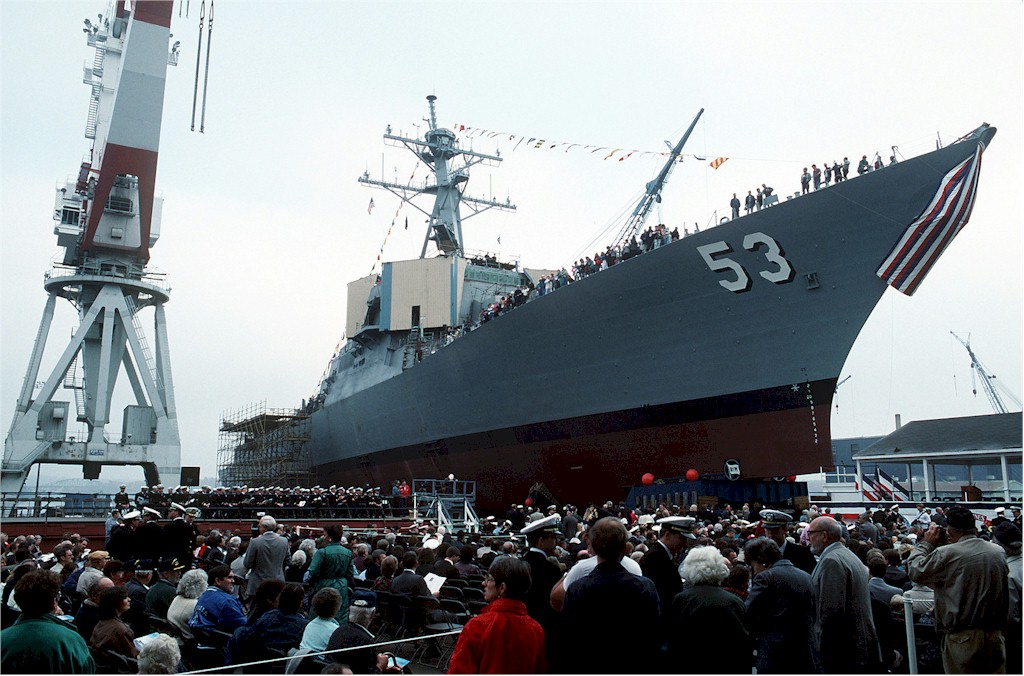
<point x="735" y="204"/>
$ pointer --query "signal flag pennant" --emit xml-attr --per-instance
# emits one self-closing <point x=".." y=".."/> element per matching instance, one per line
<point x="716" y="163"/>
<point x="369" y="209"/>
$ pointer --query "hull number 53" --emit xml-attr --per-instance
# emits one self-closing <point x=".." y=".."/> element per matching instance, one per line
<point x="779" y="270"/>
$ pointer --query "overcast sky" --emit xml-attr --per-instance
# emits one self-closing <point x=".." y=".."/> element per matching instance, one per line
<point x="264" y="223"/>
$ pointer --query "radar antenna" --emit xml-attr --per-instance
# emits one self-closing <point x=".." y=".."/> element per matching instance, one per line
<point x="652" y="196"/>
<point x="988" y="381"/>
<point x="437" y="150"/>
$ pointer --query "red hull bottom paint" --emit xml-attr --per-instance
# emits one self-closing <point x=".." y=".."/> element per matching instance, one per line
<point x="593" y="468"/>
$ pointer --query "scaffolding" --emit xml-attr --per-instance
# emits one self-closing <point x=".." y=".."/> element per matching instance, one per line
<point x="264" y="447"/>
<point x="448" y="502"/>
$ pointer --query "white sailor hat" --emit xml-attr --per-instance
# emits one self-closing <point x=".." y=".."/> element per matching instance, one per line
<point x="1000" y="510"/>
<point x="548" y="524"/>
<point x="179" y="508"/>
<point x="432" y="543"/>
<point x="773" y="518"/>
<point x="678" y="524"/>
<point x="134" y="514"/>
<point x="150" y="510"/>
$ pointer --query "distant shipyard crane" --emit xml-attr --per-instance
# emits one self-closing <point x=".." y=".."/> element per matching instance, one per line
<point x="988" y="381"/>
<point x="106" y="221"/>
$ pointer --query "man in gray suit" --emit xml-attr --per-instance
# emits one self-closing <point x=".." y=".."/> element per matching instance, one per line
<point x="266" y="556"/>
<point x="844" y="630"/>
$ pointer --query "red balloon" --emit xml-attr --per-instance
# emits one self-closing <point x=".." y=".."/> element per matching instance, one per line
<point x="528" y="502"/>
<point x="648" y="479"/>
<point x="692" y="475"/>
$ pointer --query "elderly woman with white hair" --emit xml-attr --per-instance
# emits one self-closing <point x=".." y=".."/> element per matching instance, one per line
<point x="706" y="615"/>
<point x="160" y="655"/>
<point x="190" y="587"/>
<point x="296" y="567"/>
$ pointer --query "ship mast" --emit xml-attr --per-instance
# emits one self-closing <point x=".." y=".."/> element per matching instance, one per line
<point x="652" y="196"/>
<point x="437" y="151"/>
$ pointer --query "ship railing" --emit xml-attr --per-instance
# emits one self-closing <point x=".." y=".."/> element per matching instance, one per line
<point x="489" y="259"/>
<point x="47" y="505"/>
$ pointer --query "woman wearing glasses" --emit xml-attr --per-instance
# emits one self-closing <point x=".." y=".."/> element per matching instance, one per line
<point x="502" y="639"/>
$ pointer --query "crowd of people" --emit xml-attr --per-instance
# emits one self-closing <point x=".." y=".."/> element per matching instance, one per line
<point x="823" y="176"/>
<point x="334" y="502"/>
<point x="612" y="590"/>
<point x="814" y="178"/>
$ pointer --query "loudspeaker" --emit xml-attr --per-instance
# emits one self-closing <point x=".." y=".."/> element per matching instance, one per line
<point x="189" y="476"/>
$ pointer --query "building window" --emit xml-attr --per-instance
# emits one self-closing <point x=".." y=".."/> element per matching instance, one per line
<point x="988" y="476"/>
<point x="70" y="216"/>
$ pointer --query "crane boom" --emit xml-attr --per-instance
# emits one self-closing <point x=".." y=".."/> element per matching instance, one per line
<point x="653" y="193"/>
<point x="987" y="379"/>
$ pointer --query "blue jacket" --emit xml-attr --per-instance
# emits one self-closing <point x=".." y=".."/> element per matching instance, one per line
<point x="273" y="630"/>
<point x="217" y="609"/>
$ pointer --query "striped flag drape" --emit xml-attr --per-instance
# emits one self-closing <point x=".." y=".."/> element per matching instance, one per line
<point x="927" y="237"/>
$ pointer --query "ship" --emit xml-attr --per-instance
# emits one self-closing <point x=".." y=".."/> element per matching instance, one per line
<point x="717" y="352"/>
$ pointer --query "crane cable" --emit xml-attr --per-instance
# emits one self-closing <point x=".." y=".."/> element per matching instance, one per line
<point x="206" y="72"/>
<point x="199" y="53"/>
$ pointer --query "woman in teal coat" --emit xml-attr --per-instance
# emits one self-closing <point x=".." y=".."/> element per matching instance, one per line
<point x="332" y="567"/>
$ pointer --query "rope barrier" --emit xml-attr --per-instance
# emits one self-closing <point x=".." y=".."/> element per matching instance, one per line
<point x="324" y="652"/>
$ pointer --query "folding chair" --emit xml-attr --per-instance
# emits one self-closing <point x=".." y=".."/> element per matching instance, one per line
<point x="452" y="593"/>
<point x="473" y="594"/>
<point x="430" y="609"/>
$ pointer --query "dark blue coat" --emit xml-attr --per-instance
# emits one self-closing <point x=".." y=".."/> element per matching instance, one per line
<point x="659" y="567"/>
<point x="612" y="616"/>
<point x="780" y="612"/>
<point x="708" y="632"/>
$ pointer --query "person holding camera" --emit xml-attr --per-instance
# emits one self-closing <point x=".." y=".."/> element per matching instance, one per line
<point x="969" y="577"/>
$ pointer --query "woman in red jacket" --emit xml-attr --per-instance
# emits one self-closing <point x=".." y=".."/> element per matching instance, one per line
<point x="502" y="639"/>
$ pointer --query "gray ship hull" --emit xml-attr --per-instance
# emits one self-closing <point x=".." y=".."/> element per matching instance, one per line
<point x="652" y="365"/>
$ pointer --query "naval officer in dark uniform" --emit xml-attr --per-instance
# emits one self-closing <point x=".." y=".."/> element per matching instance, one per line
<point x="661" y="566"/>
<point x="542" y="535"/>
<point x="661" y="562"/>
<point x="775" y="525"/>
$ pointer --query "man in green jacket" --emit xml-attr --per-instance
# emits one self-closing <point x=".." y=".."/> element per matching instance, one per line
<point x="332" y="567"/>
<point x="40" y="642"/>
